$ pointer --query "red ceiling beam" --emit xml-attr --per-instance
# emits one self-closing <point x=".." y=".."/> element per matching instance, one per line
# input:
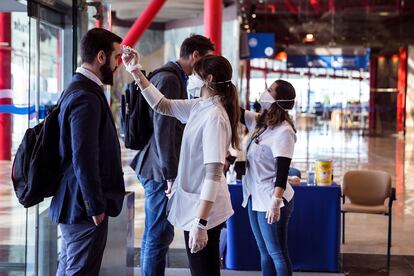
<point x="291" y="7"/>
<point x="272" y="7"/>
<point x="315" y="5"/>
<point x="332" y="6"/>
<point x="142" y="23"/>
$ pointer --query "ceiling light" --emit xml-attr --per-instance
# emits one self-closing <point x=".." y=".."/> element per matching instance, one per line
<point x="309" y="38"/>
<point x="254" y="15"/>
<point x="384" y="13"/>
<point x="246" y="26"/>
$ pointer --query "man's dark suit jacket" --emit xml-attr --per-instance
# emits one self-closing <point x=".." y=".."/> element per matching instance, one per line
<point x="159" y="158"/>
<point x="92" y="180"/>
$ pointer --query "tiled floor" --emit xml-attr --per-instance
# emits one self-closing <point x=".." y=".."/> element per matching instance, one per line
<point x="186" y="272"/>
<point x="366" y="234"/>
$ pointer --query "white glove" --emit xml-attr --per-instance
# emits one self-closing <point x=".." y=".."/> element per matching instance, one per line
<point x="198" y="237"/>
<point x="168" y="192"/>
<point x="273" y="214"/>
<point x="130" y="58"/>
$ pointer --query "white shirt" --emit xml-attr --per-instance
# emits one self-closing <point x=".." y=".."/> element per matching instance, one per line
<point x="90" y="75"/>
<point x="206" y="138"/>
<point x="259" y="182"/>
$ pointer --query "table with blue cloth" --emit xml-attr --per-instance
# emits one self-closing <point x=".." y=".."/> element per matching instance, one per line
<point x="313" y="237"/>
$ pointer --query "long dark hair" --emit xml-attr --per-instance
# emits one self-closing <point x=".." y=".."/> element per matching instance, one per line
<point x="277" y="113"/>
<point x="220" y="68"/>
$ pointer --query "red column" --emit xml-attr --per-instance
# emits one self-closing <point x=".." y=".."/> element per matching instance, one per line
<point x="213" y="19"/>
<point x="5" y="84"/>
<point x="402" y="89"/>
<point x="372" y="87"/>
<point x="142" y="23"/>
<point x="248" y="70"/>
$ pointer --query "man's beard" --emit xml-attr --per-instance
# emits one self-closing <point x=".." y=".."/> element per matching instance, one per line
<point x="107" y="74"/>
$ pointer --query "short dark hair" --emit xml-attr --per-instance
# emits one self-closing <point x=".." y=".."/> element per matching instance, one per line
<point x="194" y="43"/>
<point x="96" y="40"/>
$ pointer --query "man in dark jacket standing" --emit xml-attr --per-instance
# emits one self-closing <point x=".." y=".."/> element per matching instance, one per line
<point x="92" y="187"/>
<point x="156" y="165"/>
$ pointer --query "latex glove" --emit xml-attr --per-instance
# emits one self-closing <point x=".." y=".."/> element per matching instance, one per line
<point x="294" y="180"/>
<point x="273" y="214"/>
<point x="98" y="218"/>
<point x="198" y="237"/>
<point x="130" y="58"/>
<point x="170" y="183"/>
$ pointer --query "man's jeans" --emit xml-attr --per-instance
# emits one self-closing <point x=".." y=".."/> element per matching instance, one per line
<point x="272" y="240"/>
<point x="158" y="232"/>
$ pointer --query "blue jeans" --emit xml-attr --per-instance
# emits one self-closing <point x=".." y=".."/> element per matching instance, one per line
<point x="158" y="232"/>
<point x="272" y="240"/>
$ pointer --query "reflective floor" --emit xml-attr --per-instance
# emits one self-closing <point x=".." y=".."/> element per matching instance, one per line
<point x="366" y="234"/>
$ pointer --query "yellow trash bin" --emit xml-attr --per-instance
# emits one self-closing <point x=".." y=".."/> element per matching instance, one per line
<point x="324" y="171"/>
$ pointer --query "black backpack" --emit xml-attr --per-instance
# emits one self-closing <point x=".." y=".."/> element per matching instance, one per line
<point x="136" y="123"/>
<point x="36" y="168"/>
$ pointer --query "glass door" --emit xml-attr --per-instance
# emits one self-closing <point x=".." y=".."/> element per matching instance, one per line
<point x="37" y="56"/>
<point x="46" y="84"/>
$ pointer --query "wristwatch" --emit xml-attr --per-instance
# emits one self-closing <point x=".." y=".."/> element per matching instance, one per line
<point x="202" y="222"/>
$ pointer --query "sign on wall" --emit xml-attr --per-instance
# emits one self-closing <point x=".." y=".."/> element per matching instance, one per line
<point x="335" y="58"/>
<point x="259" y="45"/>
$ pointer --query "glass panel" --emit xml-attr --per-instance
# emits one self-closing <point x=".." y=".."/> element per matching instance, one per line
<point x="39" y="67"/>
<point x="33" y="120"/>
<point x="12" y="215"/>
<point x="50" y="86"/>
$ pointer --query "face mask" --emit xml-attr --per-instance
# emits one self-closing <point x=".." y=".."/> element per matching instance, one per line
<point x="266" y="100"/>
<point x="194" y="86"/>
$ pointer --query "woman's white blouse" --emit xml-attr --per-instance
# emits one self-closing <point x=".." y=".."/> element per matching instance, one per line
<point x="259" y="182"/>
<point x="206" y="139"/>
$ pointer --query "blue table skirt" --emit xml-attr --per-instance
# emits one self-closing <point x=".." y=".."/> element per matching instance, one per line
<point x="314" y="231"/>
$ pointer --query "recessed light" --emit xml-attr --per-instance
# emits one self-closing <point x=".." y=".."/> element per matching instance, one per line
<point x="309" y="38"/>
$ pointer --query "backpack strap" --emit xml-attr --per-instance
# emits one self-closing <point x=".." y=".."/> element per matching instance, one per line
<point x="166" y="69"/>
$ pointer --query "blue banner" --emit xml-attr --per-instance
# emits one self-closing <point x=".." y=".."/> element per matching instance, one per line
<point x="332" y="62"/>
<point x="261" y="45"/>
<point x="19" y="110"/>
<point x="24" y="110"/>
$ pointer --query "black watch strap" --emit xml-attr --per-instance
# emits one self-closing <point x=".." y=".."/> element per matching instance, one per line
<point x="202" y="222"/>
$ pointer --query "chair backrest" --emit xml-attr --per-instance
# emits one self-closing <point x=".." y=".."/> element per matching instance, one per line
<point x="367" y="187"/>
<point x="294" y="172"/>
